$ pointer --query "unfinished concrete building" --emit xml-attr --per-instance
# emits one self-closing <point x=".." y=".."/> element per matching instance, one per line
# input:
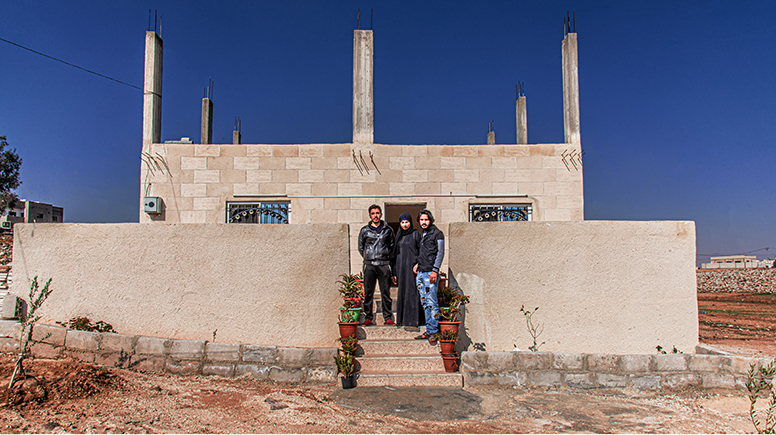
<point x="335" y="183"/>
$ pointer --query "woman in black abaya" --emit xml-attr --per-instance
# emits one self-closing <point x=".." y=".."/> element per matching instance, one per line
<point x="409" y="311"/>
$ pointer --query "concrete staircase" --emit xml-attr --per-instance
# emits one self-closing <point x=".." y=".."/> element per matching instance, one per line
<point x="391" y="356"/>
<point x="5" y="282"/>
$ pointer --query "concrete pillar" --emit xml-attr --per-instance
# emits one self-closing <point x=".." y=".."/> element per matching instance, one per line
<point x="236" y="135"/>
<point x="492" y="138"/>
<point x="363" y="87"/>
<point x="207" y="120"/>
<point x="570" y="89"/>
<point x="152" y="90"/>
<point x="522" y="121"/>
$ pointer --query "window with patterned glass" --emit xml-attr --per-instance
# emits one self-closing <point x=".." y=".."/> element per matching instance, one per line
<point x="499" y="212"/>
<point x="257" y="212"/>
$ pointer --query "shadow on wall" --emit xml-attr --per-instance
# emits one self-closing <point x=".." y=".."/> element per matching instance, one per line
<point x="465" y="342"/>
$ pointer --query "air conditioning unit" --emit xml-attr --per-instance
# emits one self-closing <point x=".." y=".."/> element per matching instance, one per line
<point x="152" y="205"/>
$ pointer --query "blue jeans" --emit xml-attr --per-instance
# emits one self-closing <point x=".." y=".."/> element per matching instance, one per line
<point x="428" y="298"/>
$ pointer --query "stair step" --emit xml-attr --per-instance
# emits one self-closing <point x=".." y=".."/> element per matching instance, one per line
<point x="424" y="379"/>
<point x="398" y="347"/>
<point x="386" y="332"/>
<point x="401" y="363"/>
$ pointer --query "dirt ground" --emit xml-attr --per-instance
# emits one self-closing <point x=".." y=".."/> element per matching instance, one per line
<point x="72" y="397"/>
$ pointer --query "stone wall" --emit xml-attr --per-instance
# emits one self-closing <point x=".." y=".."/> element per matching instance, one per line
<point x="574" y="370"/>
<point x="180" y="357"/>
<point x="323" y="185"/>
<point x="760" y="280"/>
<point x="601" y="287"/>
<point x="263" y="284"/>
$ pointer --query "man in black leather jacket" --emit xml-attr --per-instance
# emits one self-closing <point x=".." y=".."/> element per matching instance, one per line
<point x="375" y="244"/>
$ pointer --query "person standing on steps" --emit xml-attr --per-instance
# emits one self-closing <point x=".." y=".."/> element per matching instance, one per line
<point x="375" y="244"/>
<point x="409" y="311"/>
<point x="430" y="255"/>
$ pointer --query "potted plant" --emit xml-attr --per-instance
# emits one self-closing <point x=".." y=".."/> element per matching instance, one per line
<point x="447" y="341"/>
<point x="351" y="288"/>
<point x="348" y="322"/>
<point x="346" y="367"/>
<point x="451" y="362"/>
<point x="349" y="344"/>
<point x="450" y="301"/>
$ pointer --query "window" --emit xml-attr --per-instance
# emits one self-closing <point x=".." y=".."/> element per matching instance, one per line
<point x="257" y="212"/>
<point x="499" y="212"/>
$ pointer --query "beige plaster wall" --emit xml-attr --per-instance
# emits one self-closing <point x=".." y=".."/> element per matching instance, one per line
<point x="323" y="185"/>
<point x="258" y="284"/>
<point x="601" y="287"/>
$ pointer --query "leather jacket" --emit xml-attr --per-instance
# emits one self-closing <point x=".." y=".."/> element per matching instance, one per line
<point x="375" y="247"/>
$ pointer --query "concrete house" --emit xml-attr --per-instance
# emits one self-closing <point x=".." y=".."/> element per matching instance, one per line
<point x="335" y="183"/>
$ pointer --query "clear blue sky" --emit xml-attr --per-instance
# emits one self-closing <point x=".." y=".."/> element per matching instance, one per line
<point x="677" y="99"/>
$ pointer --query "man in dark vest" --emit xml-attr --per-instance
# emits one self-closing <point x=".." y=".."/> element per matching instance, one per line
<point x="430" y="255"/>
<point x="375" y="244"/>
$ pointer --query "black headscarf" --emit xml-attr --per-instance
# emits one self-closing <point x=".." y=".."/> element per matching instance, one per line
<point x="402" y="232"/>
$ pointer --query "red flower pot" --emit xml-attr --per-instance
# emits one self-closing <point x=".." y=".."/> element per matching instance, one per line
<point x="446" y="325"/>
<point x="451" y="362"/>
<point x="348" y="329"/>
<point x="446" y="347"/>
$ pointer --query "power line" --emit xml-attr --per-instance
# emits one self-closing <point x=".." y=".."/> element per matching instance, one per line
<point x="70" y="64"/>
<point x="741" y="253"/>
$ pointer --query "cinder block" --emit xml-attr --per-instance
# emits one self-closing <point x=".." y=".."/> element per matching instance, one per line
<point x="738" y="365"/>
<point x="500" y="362"/>
<point x="544" y="379"/>
<point x="579" y="380"/>
<point x="670" y="362"/>
<point x="222" y="352"/>
<point x="112" y="359"/>
<point x="635" y="363"/>
<point x="321" y="374"/>
<point x="260" y="354"/>
<point x="478" y="378"/>
<point x="82" y="340"/>
<point x="533" y="360"/>
<point x="512" y="378"/>
<point x="608" y="380"/>
<point x="225" y="370"/>
<point x="187" y="349"/>
<point x="681" y="380"/>
<point x="291" y="357"/>
<point x="568" y="361"/>
<point x="47" y="351"/>
<point x="154" y="364"/>
<point x="279" y="374"/>
<point x="710" y="380"/>
<point x="117" y="342"/>
<point x="708" y="363"/>
<point x="185" y="367"/>
<point x="10" y="328"/>
<point x="603" y="363"/>
<point x="9" y="345"/>
<point x="256" y="372"/>
<point x="54" y="335"/>
<point x="320" y="357"/>
<point x="151" y="346"/>
<point x="645" y="382"/>
<point x="474" y="361"/>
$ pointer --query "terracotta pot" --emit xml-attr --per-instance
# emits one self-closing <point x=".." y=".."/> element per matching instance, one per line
<point x="451" y="362"/>
<point x="446" y="346"/>
<point x="446" y="325"/>
<point x="349" y="382"/>
<point x="348" y="329"/>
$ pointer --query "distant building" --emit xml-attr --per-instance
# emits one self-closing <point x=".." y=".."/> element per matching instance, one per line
<point x="29" y="212"/>
<point x="736" y="262"/>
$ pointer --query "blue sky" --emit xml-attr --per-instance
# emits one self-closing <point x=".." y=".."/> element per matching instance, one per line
<point x="677" y="99"/>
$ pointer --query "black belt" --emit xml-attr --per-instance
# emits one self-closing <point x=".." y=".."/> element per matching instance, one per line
<point x="377" y="262"/>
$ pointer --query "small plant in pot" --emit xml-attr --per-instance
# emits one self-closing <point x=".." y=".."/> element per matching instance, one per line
<point x="349" y="344"/>
<point x="346" y="367"/>
<point x="351" y="288"/>
<point x="451" y="362"/>
<point x="450" y="299"/>
<point x="447" y="341"/>
<point x="348" y="322"/>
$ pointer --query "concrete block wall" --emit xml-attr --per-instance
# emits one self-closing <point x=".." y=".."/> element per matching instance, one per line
<point x="180" y="357"/>
<point x="323" y="185"/>
<point x="575" y="370"/>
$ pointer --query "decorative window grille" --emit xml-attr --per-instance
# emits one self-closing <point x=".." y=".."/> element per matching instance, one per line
<point x="257" y="212"/>
<point x="499" y="212"/>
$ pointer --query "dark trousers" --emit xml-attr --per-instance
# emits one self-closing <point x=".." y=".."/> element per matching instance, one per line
<point x="381" y="274"/>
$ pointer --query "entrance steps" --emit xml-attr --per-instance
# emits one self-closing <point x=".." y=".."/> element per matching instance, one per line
<point x="390" y="355"/>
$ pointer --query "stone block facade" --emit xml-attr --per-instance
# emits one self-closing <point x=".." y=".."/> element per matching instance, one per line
<point x="323" y="184"/>
<point x="643" y="372"/>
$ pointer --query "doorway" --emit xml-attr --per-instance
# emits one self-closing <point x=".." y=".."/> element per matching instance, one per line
<point x="393" y="211"/>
